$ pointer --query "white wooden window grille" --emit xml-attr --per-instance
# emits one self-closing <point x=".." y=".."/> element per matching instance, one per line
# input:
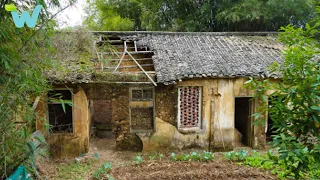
<point x="189" y="107"/>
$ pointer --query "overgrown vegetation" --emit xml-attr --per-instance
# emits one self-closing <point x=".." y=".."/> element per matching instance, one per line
<point x="193" y="156"/>
<point x="103" y="171"/>
<point x="207" y="15"/>
<point x="294" y="107"/>
<point x="21" y="78"/>
<point x="78" y="169"/>
<point x="269" y="161"/>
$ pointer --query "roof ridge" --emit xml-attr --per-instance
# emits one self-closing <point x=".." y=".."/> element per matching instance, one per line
<point x="271" y="33"/>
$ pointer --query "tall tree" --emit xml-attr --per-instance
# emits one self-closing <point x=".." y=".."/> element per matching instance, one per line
<point x="203" y="15"/>
<point x="295" y="101"/>
<point x="21" y="78"/>
<point x="181" y="15"/>
<point x="121" y="15"/>
<point x="266" y="15"/>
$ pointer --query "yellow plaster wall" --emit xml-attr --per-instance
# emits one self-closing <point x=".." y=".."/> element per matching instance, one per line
<point x="68" y="144"/>
<point x="223" y="118"/>
<point x="217" y="132"/>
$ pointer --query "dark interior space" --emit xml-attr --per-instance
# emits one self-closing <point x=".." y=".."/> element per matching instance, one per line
<point x="60" y="114"/>
<point x="60" y="120"/>
<point x="242" y="119"/>
<point x="270" y="130"/>
<point x="102" y="118"/>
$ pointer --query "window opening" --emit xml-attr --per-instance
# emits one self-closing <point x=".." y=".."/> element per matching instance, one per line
<point x="60" y="113"/>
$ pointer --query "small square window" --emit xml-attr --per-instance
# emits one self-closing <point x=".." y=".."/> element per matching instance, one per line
<point x="136" y="95"/>
<point x="142" y="95"/>
<point x="147" y="94"/>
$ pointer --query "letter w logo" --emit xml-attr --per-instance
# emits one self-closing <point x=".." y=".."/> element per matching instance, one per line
<point x="25" y="17"/>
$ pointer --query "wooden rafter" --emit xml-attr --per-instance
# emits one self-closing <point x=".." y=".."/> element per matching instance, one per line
<point x="127" y="52"/>
<point x="155" y="84"/>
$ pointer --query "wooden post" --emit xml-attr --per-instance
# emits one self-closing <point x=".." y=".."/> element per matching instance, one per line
<point x="124" y="53"/>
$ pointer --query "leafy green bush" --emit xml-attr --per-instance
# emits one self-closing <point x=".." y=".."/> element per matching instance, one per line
<point x="236" y="156"/>
<point x="103" y="172"/>
<point x="173" y="156"/>
<point x="138" y="159"/>
<point x="193" y="156"/>
<point x="161" y="156"/>
<point x="269" y="161"/>
<point x="295" y="106"/>
<point x="207" y="156"/>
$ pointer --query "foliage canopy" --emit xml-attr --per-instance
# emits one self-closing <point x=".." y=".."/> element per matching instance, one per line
<point x="294" y="107"/>
<point x="205" y="15"/>
<point x="21" y="78"/>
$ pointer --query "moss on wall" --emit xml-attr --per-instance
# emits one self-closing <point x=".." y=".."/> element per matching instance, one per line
<point x="68" y="144"/>
<point x="217" y="117"/>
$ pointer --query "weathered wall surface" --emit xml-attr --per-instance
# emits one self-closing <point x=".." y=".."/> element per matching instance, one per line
<point x="166" y="101"/>
<point x="119" y="97"/>
<point x="120" y="115"/>
<point x="68" y="144"/>
<point x="223" y="115"/>
<point x="217" y="130"/>
<point x="167" y="133"/>
<point x="217" y="117"/>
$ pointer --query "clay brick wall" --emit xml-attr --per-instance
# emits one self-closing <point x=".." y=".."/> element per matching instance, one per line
<point x="166" y="101"/>
<point x="142" y="118"/>
<point x="102" y="112"/>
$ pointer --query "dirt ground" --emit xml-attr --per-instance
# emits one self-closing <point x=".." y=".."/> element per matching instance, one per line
<point x="104" y="150"/>
<point x="218" y="169"/>
<point x="100" y="152"/>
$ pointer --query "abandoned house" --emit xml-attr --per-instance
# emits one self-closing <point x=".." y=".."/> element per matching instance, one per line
<point x="151" y="90"/>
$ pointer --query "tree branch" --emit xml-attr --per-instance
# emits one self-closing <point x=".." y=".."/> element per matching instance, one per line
<point x="26" y="42"/>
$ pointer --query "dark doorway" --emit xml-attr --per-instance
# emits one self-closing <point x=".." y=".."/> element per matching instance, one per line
<point x="60" y="113"/>
<point x="102" y="118"/>
<point x="242" y="119"/>
<point x="270" y="130"/>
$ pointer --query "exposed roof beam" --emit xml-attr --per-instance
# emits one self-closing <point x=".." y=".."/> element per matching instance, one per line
<point x="155" y="84"/>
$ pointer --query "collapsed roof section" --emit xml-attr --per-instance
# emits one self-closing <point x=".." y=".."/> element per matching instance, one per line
<point x="85" y="57"/>
<point x="123" y="56"/>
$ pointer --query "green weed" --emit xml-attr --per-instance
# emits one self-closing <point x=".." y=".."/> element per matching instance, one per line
<point x="74" y="170"/>
<point x="103" y="171"/>
<point x="138" y="159"/>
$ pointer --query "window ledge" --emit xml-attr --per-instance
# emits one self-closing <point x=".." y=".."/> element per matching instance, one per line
<point x="142" y="131"/>
<point x="62" y="134"/>
<point x="190" y="130"/>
